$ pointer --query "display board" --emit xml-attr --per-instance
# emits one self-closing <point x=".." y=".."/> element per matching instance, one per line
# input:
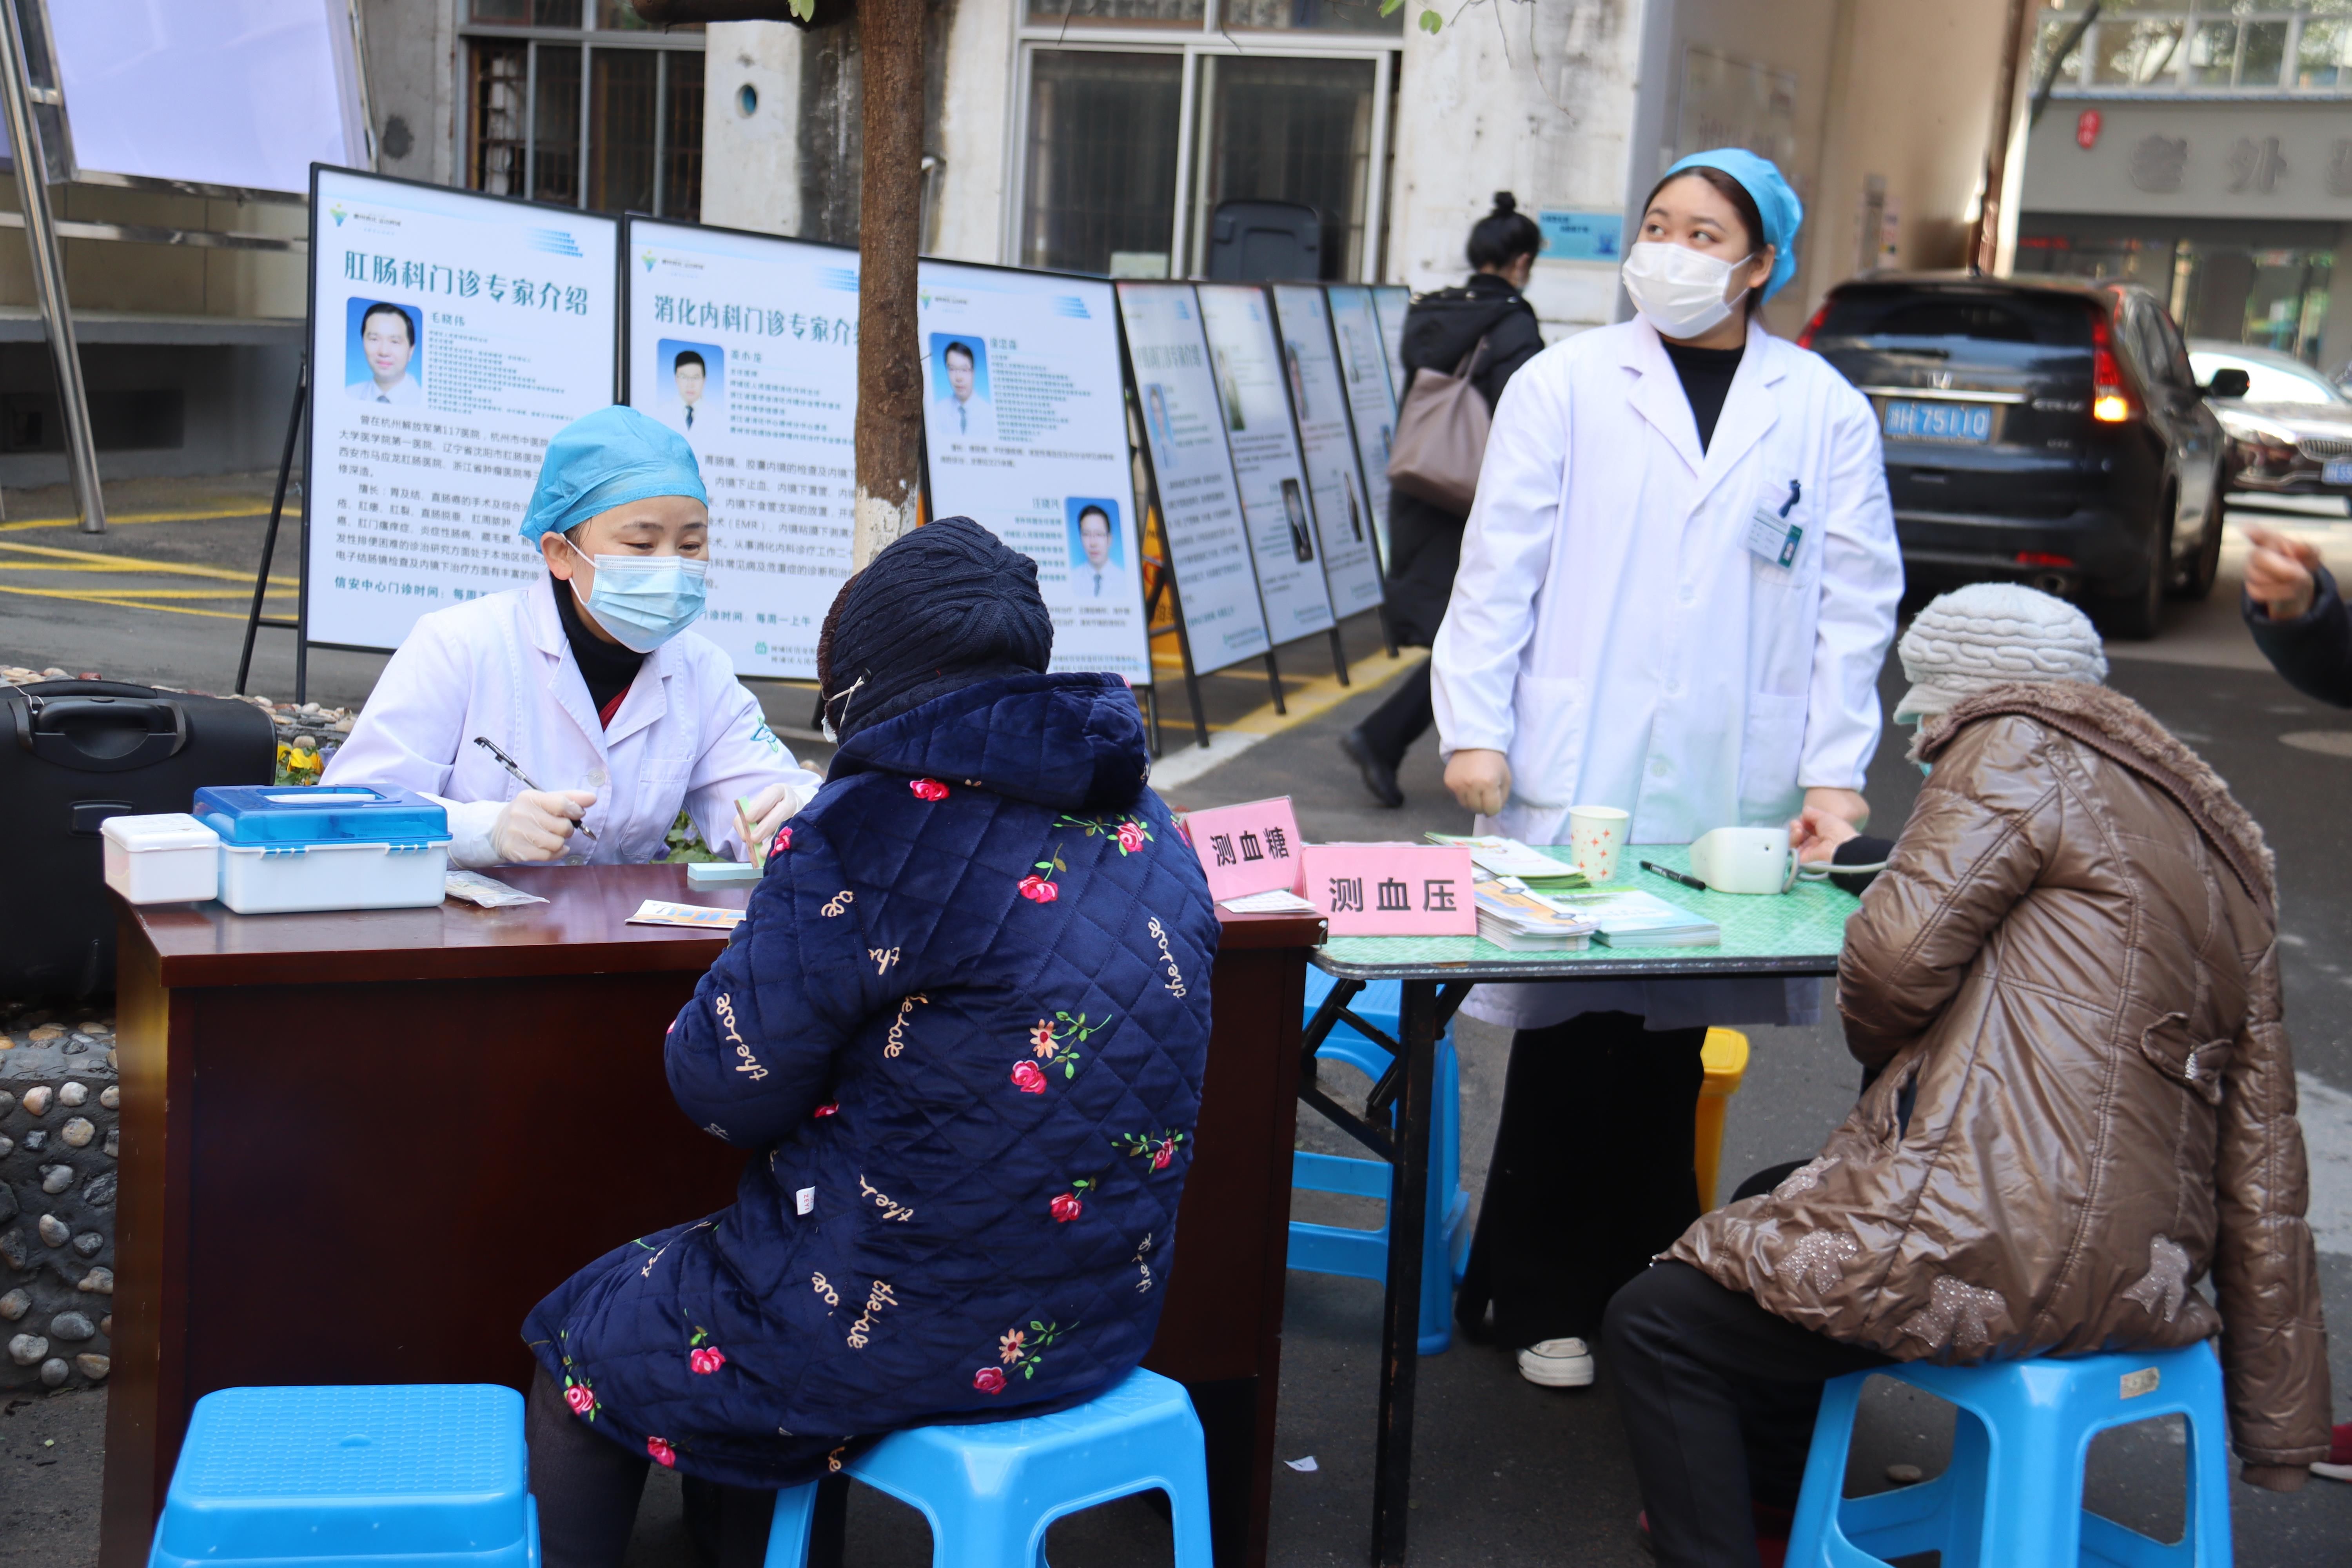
<point x="1024" y="426"/>
<point x="1185" y="447"/>
<point x="1389" y="302"/>
<point x="1252" y="394"/>
<point x="246" y="93"/>
<point x="748" y="346"/>
<point x="452" y="336"/>
<point x="1364" y="366"/>
<point x="1327" y="439"/>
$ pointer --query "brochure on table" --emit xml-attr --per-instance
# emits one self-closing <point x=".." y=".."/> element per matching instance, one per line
<point x="746" y="345"/>
<point x="1326" y="438"/>
<point x="1185" y="448"/>
<point x="1024" y="424"/>
<point x="1252" y="392"/>
<point x="1389" y="302"/>
<point x="452" y="335"/>
<point x="1364" y="366"/>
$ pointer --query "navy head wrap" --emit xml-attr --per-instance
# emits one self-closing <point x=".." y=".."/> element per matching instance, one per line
<point x="947" y="606"/>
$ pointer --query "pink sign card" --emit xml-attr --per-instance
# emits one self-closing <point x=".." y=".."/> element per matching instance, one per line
<point x="1393" y="889"/>
<point x="1252" y="847"/>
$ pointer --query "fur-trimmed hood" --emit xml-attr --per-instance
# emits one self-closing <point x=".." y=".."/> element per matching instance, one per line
<point x="2120" y="729"/>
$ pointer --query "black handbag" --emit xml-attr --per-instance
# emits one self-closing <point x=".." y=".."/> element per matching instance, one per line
<point x="72" y="754"/>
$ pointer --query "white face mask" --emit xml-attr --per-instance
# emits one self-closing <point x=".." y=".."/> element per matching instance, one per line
<point x="1678" y="288"/>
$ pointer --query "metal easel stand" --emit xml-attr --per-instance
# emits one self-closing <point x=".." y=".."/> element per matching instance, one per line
<point x="1167" y="584"/>
<point x="27" y="154"/>
<point x="1339" y="655"/>
<point x="255" y="619"/>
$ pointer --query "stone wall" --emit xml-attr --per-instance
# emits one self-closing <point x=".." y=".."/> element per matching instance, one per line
<point x="58" y="1143"/>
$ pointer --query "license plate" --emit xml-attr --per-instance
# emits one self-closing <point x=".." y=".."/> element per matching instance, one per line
<point x="2338" y="472"/>
<point x="1938" y="421"/>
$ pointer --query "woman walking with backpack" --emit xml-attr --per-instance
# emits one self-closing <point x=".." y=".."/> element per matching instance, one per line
<point x="1486" y="318"/>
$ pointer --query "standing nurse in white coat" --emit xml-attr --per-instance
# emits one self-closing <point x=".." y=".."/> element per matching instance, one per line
<point x="1677" y="587"/>
<point x="587" y="678"/>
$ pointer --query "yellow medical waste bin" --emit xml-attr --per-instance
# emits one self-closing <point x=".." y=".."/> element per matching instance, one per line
<point x="1724" y="1056"/>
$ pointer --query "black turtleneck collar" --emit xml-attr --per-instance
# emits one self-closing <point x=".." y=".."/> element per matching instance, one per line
<point x="607" y="667"/>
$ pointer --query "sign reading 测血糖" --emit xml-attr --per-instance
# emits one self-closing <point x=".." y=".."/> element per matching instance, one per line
<point x="1392" y="890"/>
<point x="1252" y="847"/>
<point x="452" y="335"/>
<point x="746" y="345"/>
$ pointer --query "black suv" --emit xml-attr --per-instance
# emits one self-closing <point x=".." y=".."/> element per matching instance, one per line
<point x="2048" y="430"/>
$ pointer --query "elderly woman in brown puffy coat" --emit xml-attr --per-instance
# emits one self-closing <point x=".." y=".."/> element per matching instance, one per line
<point x="2066" y="984"/>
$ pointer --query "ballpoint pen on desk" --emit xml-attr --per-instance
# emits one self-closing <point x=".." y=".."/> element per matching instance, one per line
<point x="1671" y="875"/>
<point x="521" y="777"/>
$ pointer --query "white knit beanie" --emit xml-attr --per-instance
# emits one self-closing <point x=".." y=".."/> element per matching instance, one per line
<point x="1989" y="633"/>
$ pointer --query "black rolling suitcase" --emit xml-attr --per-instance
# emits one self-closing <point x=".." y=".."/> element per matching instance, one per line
<point x="73" y="753"/>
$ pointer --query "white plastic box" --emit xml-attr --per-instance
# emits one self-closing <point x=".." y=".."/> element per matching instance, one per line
<point x="284" y="850"/>
<point x="171" y="859"/>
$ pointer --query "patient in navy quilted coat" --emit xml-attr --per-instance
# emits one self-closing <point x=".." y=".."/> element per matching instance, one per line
<point x="962" y="1030"/>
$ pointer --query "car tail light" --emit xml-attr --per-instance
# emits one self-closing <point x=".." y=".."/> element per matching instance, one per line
<point x="2043" y="558"/>
<point x="2110" y="404"/>
<point x="1805" y="338"/>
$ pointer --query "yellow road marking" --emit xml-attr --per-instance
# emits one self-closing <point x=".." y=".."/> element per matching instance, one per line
<point x="101" y="564"/>
<point x="252" y="508"/>
<point x="1308" y="699"/>
<point x="99" y="597"/>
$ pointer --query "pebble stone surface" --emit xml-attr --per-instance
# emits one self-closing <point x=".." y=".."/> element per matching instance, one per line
<point x="58" y="1143"/>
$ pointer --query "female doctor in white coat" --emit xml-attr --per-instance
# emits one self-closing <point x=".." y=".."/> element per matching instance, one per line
<point x="1677" y="586"/>
<point x="587" y="678"/>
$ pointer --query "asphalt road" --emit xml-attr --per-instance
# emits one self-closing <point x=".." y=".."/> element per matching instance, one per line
<point x="1506" y="1473"/>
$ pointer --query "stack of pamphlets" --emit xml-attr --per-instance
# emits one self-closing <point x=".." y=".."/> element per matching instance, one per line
<point x="1499" y="857"/>
<point x="1630" y="918"/>
<point x="1513" y="915"/>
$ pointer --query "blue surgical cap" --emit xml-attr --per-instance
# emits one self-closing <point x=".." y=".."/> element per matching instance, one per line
<point x="1776" y="204"/>
<point x="605" y="459"/>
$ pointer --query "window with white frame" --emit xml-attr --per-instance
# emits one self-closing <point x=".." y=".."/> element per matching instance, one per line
<point x="578" y="101"/>
<point x="1140" y="117"/>
<point x="2205" y="47"/>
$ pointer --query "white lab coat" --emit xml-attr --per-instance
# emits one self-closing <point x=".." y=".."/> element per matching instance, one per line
<point x="1613" y="634"/>
<point x="687" y="733"/>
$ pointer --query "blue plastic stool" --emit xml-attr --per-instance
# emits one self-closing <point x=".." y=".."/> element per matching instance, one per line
<point x="991" y="1491"/>
<point x="405" y="1474"/>
<point x="2014" y="1492"/>
<point x="1445" y="1233"/>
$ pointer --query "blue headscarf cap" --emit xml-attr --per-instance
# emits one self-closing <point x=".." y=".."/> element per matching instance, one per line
<point x="1776" y="204"/>
<point x="605" y="459"/>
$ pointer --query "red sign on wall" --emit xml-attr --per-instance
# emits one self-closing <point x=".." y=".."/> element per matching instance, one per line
<point x="2086" y="129"/>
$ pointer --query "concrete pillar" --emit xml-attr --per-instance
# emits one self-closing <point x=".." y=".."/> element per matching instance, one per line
<point x="751" y="165"/>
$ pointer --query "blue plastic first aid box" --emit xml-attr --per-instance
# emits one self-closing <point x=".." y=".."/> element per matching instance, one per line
<point x="289" y="848"/>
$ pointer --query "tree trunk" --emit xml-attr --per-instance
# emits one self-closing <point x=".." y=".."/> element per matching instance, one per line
<point x="889" y="237"/>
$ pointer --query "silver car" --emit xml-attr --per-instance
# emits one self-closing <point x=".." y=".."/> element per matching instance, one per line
<point x="2291" y="431"/>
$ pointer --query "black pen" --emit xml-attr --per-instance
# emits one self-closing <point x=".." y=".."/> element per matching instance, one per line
<point x="521" y="777"/>
<point x="1684" y="877"/>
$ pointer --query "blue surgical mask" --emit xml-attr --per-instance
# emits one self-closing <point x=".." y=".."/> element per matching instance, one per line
<point x="644" y="600"/>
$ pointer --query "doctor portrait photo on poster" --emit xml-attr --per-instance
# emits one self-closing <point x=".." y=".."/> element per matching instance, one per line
<point x="384" y="353"/>
<point x="960" y="408"/>
<point x="1097" y="550"/>
<point x="690" y="387"/>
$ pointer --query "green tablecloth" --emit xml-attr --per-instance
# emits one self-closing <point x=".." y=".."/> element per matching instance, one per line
<point x="1797" y="933"/>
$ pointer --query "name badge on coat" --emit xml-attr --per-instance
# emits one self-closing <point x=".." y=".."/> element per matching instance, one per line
<point x="1771" y="537"/>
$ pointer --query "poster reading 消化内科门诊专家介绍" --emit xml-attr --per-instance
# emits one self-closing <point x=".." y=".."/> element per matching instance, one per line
<point x="451" y="336"/>
<point x="1024" y="429"/>
<point x="746" y="345"/>
<point x="1364" y="366"/>
<point x="1327" y="440"/>
<point x="1253" y="394"/>
<point x="1184" y="441"/>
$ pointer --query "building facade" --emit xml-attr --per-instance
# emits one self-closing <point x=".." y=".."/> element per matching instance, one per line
<point x="2203" y="149"/>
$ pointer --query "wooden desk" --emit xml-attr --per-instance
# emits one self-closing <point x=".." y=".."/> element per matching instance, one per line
<point x="359" y="1148"/>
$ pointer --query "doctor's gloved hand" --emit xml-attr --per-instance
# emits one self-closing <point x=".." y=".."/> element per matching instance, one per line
<point x="768" y="811"/>
<point x="537" y="823"/>
<point x="1480" y="780"/>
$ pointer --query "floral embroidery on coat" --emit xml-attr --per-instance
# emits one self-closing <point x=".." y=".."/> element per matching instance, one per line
<point x="1039" y="886"/>
<point x="928" y="789"/>
<point x="1069" y="1205"/>
<point x="663" y="1454"/>
<point x="1160" y="1147"/>
<point x="579" y="1394"/>
<point x="1130" y="833"/>
<point x="1020" y="1350"/>
<point x="701" y="1354"/>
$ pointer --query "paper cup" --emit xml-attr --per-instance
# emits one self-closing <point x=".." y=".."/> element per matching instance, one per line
<point x="1596" y="833"/>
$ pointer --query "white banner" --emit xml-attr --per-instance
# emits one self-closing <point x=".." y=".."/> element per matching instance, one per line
<point x="1025" y="426"/>
<point x="1363" y="364"/>
<point x="748" y="346"/>
<point x="1208" y="547"/>
<point x="451" y="336"/>
<point x="1335" y="482"/>
<point x="1248" y="365"/>
<point x="1389" y="302"/>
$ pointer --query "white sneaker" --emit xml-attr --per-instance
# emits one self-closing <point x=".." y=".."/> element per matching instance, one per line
<point x="1556" y="1363"/>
